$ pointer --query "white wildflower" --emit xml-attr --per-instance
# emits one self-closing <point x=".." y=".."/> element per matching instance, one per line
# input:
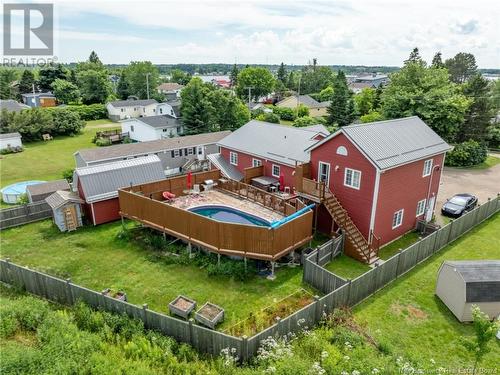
<point x="317" y="369"/>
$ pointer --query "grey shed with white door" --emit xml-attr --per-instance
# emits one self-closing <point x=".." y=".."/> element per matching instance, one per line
<point x="66" y="210"/>
<point x="461" y="284"/>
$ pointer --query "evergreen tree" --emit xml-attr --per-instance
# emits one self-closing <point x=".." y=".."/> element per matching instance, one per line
<point x="437" y="61"/>
<point x="196" y="109"/>
<point x="282" y="75"/>
<point x="93" y="58"/>
<point x="341" y="109"/>
<point x="414" y="56"/>
<point x="461" y="67"/>
<point x="122" y="89"/>
<point x="49" y="74"/>
<point x="377" y="101"/>
<point x="234" y="76"/>
<point x="72" y="76"/>
<point x="27" y="81"/>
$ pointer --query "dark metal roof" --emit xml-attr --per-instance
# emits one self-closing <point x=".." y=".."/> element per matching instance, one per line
<point x="132" y="103"/>
<point x="161" y="121"/>
<point x="47" y="187"/>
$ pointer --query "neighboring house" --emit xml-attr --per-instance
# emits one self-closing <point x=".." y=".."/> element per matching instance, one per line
<point x="66" y="210"/>
<point x="462" y="284"/>
<point x="171" y="108"/>
<point x="316" y="109"/>
<point x="222" y="83"/>
<point x="357" y="87"/>
<point x="125" y="109"/>
<point x="278" y="148"/>
<point x="374" y="79"/>
<point x="171" y="89"/>
<point x="39" y="192"/>
<point x="42" y="99"/>
<point x="152" y="128"/>
<point x="12" y="105"/>
<point x="10" y="141"/>
<point x="254" y="107"/>
<point x="386" y="174"/>
<point x="98" y="185"/>
<point x="174" y="153"/>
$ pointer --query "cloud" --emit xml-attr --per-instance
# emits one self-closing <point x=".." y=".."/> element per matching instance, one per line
<point x="466" y="27"/>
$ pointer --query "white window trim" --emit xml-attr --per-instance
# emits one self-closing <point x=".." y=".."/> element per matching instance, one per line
<point x="401" y="221"/>
<point x="279" y="170"/>
<point x="256" y="162"/>
<point x="177" y="153"/>
<point x="345" y="178"/>
<point x="233" y="155"/>
<point x="424" y="205"/>
<point x="424" y="174"/>
<point x="329" y="171"/>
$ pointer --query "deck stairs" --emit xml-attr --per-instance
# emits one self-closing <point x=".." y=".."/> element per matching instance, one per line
<point x="227" y="170"/>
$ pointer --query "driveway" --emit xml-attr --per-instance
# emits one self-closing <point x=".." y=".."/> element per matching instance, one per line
<point x="483" y="183"/>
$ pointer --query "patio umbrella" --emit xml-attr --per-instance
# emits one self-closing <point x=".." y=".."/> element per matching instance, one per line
<point x="189" y="180"/>
<point x="282" y="182"/>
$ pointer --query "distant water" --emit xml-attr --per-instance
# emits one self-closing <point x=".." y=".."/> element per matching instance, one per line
<point x="210" y="78"/>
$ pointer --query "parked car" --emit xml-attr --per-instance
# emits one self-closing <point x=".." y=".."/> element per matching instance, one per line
<point x="459" y="204"/>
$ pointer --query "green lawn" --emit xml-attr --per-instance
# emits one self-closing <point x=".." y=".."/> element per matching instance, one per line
<point x="414" y="322"/>
<point x="95" y="258"/>
<point x="347" y="267"/>
<point x="46" y="160"/>
<point x="403" y="242"/>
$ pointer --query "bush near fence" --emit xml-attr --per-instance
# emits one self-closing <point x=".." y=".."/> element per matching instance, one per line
<point x="12" y="217"/>
<point x="205" y="340"/>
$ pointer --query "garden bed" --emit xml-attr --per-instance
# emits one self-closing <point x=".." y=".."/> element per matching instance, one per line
<point x="182" y="306"/>
<point x="267" y="317"/>
<point x="119" y="295"/>
<point x="210" y="315"/>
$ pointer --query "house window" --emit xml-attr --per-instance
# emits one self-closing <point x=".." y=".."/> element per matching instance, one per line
<point x="427" y="167"/>
<point x="122" y="109"/>
<point x="161" y="111"/>
<point x="233" y="158"/>
<point x="256" y="163"/>
<point x="131" y="128"/>
<point x="276" y="170"/>
<point x="341" y="150"/>
<point x="352" y="178"/>
<point x="421" y="207"/>
<point x="397" y="219"/>
<point x="164" y="130"/>
<point x="190" y="151"/>
<point x="135" y="108"/>
<point x="200" y="150"/>
<point x="177" y="153"/>
<point x="172" y="112"/>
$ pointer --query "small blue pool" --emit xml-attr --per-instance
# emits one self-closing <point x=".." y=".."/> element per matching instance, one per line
<point x="229" y="215"/>
<point x="11" y="193"/>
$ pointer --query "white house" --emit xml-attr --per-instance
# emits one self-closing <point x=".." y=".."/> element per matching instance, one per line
<point x="152" y="128"/>
<point x="171" y="89"/>
<point x="171" y="108"/>
<point x="125" y="109"/>
<point x="10" y="141"/>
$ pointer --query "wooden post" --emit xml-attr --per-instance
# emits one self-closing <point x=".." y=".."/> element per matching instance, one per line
<point x="317" y="318"/>
<point x="278" y="322"/>
<point x="218" y="260"/>
<point x="189" y="248"/>
<point x="245" y="260"/>
<point x="144" y="313"/>
<point x="123" y="222"/>
<point x="69" y="292"/>
<point x="399" y="261"/>
<point x="190" y="321"/>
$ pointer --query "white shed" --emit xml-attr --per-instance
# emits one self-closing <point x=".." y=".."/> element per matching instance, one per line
<point x="10" y="141"/>
<point x="66" y="210"/>
<point x="461" y="284"/>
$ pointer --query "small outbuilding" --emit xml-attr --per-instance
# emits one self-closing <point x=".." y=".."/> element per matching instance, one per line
<point x="461" y="284"/>
<point x="39" y="192"/>
<point x="11" y="141"/>
<point x="66" y="210"/>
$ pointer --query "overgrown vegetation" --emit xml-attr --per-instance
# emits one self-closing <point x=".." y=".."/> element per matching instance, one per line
<point x="467" y="154"/>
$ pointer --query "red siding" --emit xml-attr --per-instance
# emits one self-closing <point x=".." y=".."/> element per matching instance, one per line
<point x="245" y="161"/>
<point x="358" y="203"/>
<point x="402" y="188"/>
<point x="106" y="211"/>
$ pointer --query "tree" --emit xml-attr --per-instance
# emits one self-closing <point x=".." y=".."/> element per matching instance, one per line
<point x="302" y="110"/>
<point x="27" y="81"/>
<point x="93" y="58"/>
<point x="414" y="57"/>
<point x="66" y="122"/>
<point x="485" y="330"/>
<point x="305" y="121"/>
<point x="49" y="74"/>
<point x="180" y="77"/>
<point x="371" y="117"/>
<point x="326" y="94"/>
<point x="136" y="74"/>
<point x="7" y="78"/>
<point x="94" y="86"/>
<point x="364" y="101"/>
<point x="234" y="76"/>
<point x="269" y="117"/>
<point x="31" y="124"/>
<point x="122" y="89"/>
<point x="340" y="111"/>
<point x="479" y="113"/>
<point x="282" y="75"/>
<point x="461" y="67"/>
<point x="314" y="79"/>
<point x="196" y="109"/>
<point x="437" y="61"/>
<point x="229" y="112"/>
<point x="261" y="81"/>
<point x="416" y="90"/>
<point x="377" y="101"/>
<point x="65" y="91"/>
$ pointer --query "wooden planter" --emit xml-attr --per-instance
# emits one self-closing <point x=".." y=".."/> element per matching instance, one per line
<point x="182" y="306"/>
<point x="122" y="296"/>
<point x="209" y="315"/>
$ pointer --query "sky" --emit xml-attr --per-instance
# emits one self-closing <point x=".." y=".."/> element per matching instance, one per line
<point x="377" y="32"/>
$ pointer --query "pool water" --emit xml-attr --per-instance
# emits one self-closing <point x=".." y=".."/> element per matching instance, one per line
<point x="229" y="215"/>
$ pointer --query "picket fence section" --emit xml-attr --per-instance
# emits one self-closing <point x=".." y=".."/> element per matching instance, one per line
<point x="12" y="217"/>
<point x="338" y="292"/>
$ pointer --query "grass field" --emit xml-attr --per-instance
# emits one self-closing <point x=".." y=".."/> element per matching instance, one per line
<point x="414" y="322"/>
<point x="95" y="258"/>
<point x="47" y="160"/>
<point x="347" y="267"/>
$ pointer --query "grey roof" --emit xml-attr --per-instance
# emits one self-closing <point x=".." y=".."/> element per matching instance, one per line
<point x="170" y="86"/>
<point x="47" y="187"/>
<point x="12" y="105"/>
<point x="281" y="143"/>
<point x="160" y="121"/>
<point x="38" y="95"/>
<point x="101" y="182"/>
<point x="482" y="279"/>
<point x="303" y="99"/>
<point x="393" y="142"/>
<point x="227" y="169"/>
<point x="61" y="197"/>
<point x="150" y="147"/>
<point x="10" y="135"/>
<point x="324" y="104"/>
<point x="176" y="106"/>
<point x="132" y="103"/>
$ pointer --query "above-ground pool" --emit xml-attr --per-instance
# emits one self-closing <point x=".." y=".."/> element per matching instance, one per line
<point x="12" y="193"/>
<point x="229" y="215"/>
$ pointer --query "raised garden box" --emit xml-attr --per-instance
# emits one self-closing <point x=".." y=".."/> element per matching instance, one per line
<point x="182" y="306"/>
<point x="122" y="296"/>
<point x="209" y="315"/>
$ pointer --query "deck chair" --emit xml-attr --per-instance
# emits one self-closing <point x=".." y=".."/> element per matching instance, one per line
<point x="196" y="189"/>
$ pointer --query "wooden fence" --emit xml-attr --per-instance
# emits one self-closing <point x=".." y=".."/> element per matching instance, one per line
<point x="12" y="217"/>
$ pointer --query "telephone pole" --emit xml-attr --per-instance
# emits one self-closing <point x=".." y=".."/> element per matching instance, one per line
<point x="147" y="83"/>
<point x="249" y="88"/>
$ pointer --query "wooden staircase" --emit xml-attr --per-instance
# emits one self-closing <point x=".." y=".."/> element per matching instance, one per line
<point x="357" y="245"/>
<point x="70" y="220"/>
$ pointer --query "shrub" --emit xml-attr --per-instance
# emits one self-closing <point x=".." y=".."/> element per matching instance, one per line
<point x="371" y="117"/>
<point x="66" y="122"/>
<point x="284" y="113"/>
<point x="102" y="142"/>
<point x="23" y="199"/>
<point x="467" y="154"/>
<point x="305" y="121"/>
<point x="8" y="325"/>
<point x="302" y="111"/>
<point x="269" y="117"/>
<point x="68" y="175"/>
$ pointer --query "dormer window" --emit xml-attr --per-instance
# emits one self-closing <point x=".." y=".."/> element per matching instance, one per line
<point x="341" y="150"/>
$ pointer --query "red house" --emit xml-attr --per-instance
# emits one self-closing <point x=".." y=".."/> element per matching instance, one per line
<point x="98" y="185"/>
<point x="384" y="174"/>
<point x="278" y="148"/>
